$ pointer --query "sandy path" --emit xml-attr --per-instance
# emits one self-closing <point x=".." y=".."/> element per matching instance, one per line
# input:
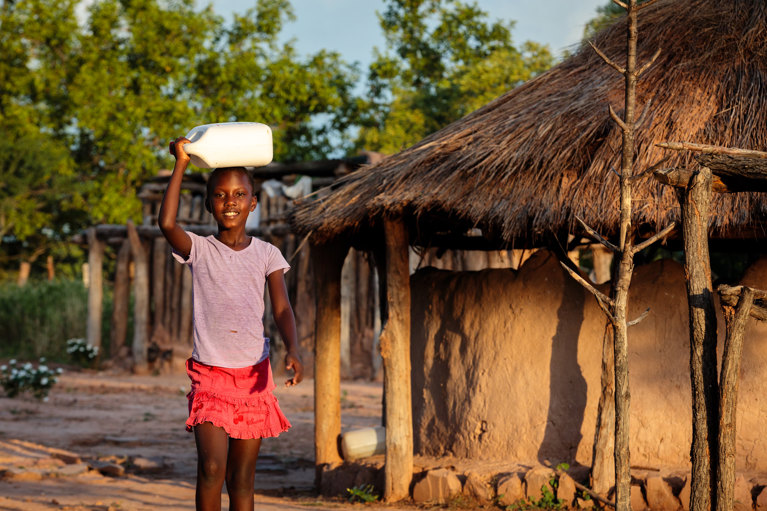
<point x="107" y="441"/>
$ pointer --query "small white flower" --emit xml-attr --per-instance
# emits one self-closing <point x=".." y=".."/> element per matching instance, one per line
<point x="43" y="368"/>
<point x="44" y="381"/>
<point x="3" y="367"/>
<point x="12" y="362"/>
<point x="42" y="359"/>
<point x="59" y="370"/>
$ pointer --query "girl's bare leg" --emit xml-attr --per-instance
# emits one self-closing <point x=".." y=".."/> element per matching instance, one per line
<point x="241" y="472"/>
<point x="212" y="444"/>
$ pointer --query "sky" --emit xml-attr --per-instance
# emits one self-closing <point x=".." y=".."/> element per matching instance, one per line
<point x="351" y="26"/>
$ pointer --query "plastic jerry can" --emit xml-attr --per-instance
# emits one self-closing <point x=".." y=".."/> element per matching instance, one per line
<point x="361" y="443"/>
<point x="230" y="144"/>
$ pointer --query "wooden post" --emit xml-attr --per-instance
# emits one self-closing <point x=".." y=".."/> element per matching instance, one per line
<point x="175" y="303"/>
<point x="395" y="350"/>
<point x="120" y="301"/>
<point x="141" y="300"/>
<point x="185" y="329"/>
<point x="347" y="291"/>
<point x="160" y="251"/>
<point x="95" y="289"/>
<point x="603" y="459"/>
<point x="24" y="270"/>
<point x="328" y="262"/>
<point x="735" y="321"/>
<point x="50" y="267"/>
<point x="695" y="202"/>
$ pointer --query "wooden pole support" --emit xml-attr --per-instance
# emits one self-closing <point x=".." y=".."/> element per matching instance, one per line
<point x="395" y="351"/>
<point x="328" y="261"/>
<point x="735" y="319"/>
<point x="141" y="300"/>
<point x="95" y="289"/>
<point x="120" y="301"/>
<point x="695" y="203"/>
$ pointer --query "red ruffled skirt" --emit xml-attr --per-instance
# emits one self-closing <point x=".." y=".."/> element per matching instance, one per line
<point x="239" y="400"/>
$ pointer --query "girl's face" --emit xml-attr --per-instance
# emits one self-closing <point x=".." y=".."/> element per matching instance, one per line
<point x="232" y="199"/>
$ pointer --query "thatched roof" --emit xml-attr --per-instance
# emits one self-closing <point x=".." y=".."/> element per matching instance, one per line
<point x="530" y="161"/>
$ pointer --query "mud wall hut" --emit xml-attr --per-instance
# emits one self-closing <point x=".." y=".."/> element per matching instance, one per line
<point x="518" y="172"/>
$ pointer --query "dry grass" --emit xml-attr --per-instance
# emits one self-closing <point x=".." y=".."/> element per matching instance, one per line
<point x="530" y="161"/>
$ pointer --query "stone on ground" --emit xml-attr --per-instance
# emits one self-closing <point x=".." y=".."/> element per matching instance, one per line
<point x="477" y="488"/>
<point x="510" y="490"/>
<point x="535" y="479"/>
<point x="438" y="486"/>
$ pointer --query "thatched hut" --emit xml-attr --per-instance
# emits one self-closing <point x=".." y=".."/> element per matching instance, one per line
<point x="518" y="171"/>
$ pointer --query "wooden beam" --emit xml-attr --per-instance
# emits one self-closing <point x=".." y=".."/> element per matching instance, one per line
<point x="729" y="296"/>
<point x="739" y="173"/>
<point x="680" y="178"/>
<point x="711" y="149"/>
<point x="328" y="262"/>
<point x="395" y="351"/>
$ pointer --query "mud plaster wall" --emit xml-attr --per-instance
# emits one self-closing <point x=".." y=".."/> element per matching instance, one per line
<point x="506" y="366"/>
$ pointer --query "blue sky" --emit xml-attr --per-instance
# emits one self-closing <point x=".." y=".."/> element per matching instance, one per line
<point x="351" y="26"/>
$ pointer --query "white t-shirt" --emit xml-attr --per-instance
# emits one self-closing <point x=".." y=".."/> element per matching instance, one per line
<point x="228" y="300"/>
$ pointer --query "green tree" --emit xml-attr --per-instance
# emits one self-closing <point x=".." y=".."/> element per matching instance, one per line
<point x="87" y="106"/>
<point x="443" y="59"/>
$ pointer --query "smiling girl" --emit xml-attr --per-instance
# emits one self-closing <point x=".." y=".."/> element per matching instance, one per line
<point x="231" y="403"/>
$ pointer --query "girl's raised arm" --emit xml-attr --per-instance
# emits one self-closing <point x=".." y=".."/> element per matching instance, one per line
<point x="176" y="236"/>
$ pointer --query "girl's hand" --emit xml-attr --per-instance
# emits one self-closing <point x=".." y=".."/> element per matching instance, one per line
<point x="177" y="149"/>
<point x="293" y="362"/>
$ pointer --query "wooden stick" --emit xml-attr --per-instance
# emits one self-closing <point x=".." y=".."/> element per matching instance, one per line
<point x="602" y="299"/>
<point x="640" y="318"/>
<point x="596" y="235"/>
<point x="650" y="170"/>
<point x="657" y="236"/>
<point x="607" y="59"/>
<point x="581" y="487"/>
<point x="617" y="119"/>
<point x="649" y="63"/>
<point x="711" y="149"/>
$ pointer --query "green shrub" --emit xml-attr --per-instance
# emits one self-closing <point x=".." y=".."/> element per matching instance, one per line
<point x="82" y="353"/>
<point x="38" y="318"/>
<point x="16" y="379"/>
<point x="364" y="493"/>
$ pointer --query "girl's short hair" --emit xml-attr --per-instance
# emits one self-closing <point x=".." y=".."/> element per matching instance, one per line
<point x="213" y="179"/>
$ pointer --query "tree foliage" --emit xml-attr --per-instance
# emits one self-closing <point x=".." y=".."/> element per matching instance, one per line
<point x="443" y="59"/>
<point x="90" y="96"/>
<point x="89" y="102"/>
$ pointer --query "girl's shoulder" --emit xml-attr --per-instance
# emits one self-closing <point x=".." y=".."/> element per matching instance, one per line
<point x="261" y="245"/>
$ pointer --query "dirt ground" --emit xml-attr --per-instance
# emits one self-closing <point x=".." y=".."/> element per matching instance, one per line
<point x="115" y="441"/>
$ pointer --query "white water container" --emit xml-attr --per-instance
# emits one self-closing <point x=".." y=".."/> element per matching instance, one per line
<point x="230" y="144"/>
<point x="361" y="443"/>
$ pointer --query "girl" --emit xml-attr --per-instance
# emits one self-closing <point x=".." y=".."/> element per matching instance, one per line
<point x="231" y="404"/>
